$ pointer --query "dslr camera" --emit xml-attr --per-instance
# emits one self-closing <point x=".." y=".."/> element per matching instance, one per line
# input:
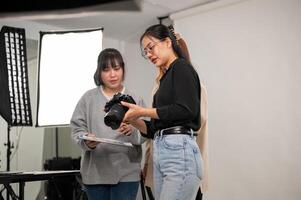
<point x="115" y="111"/>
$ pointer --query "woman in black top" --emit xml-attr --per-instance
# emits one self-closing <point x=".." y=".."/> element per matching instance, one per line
<point x="174" y="117"/>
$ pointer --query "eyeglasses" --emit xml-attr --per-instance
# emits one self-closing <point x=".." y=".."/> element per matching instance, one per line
<point x="149" y="49"/>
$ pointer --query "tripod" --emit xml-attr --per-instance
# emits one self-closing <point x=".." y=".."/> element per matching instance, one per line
<point x="9" y="191"/>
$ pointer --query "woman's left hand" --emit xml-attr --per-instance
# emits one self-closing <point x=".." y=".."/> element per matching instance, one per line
<point x="126" y="129"/>
<point x="133" y="113"/>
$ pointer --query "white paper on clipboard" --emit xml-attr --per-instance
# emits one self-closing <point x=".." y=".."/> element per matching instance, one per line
<point x="105" y="140"/>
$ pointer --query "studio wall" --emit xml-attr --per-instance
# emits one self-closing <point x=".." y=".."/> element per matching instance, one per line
<point x="248" y="55"/>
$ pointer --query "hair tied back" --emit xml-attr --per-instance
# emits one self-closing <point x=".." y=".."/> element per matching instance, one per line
<point x="172" y="31"/>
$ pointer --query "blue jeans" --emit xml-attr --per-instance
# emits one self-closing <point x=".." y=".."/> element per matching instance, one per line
<point x="177" y="167"/>
<point x="122" y="190"/>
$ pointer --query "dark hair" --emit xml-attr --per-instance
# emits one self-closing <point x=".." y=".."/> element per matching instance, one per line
<point x="162" y="32"/>
<point x="107" y="57"/>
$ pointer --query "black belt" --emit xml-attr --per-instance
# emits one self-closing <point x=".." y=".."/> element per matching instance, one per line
<point x="176" y="130"/>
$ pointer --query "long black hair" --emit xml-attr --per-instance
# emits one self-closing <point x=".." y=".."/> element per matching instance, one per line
<point x="107" y="57"/>
<point x="162" y="32"/>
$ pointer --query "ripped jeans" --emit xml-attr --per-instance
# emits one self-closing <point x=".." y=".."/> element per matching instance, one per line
<point x="178" y="167"/>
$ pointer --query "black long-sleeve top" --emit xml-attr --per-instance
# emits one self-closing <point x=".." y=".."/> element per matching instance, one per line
<point x="177" y="99"/>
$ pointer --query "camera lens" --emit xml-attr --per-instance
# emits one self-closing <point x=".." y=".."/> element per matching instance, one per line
<point x="114" y="117"/>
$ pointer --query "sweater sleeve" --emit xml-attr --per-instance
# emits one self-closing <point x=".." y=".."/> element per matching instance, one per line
<point x="150" y="129"/>
<point x="78" y="125"/>
<point x="185" y="92"/>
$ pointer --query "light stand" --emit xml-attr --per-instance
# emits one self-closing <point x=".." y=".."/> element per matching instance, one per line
<point x="9" y="147"/>
<point x="57" y="143"/>
<point x="14" y="91"/>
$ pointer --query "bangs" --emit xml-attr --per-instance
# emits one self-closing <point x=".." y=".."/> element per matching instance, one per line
<point x="111" y="60"/>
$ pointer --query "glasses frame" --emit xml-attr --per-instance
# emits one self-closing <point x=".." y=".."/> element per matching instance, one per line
<point x="149" y="49"/>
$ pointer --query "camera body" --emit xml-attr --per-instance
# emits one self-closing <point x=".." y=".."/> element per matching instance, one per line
<point x="115" y="111"/>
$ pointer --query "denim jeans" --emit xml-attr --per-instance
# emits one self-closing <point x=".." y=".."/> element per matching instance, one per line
<point x="177" y="167"/>
<point x="122" y="190"/>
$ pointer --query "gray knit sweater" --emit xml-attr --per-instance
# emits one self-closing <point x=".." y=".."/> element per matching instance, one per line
<point x="107" y="163"/>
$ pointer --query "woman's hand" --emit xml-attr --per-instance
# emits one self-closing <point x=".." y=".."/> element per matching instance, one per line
<point x="126" y="129"/>
<point x="133" y="113"/>
<point x="91" y="144"/>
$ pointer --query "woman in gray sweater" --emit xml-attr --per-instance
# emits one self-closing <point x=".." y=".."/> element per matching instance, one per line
<point x="108" y="171"/>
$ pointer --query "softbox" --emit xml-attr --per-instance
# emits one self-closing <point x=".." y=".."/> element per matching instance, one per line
<point x="14" y="89"/>
<point x="67" y="63"/>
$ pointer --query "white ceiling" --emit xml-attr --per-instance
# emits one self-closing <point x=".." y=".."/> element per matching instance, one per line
<point x="122" y="25"/>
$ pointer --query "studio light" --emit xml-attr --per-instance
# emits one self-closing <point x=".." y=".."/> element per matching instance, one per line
<point x="67" y="62"/>
<point x="14" y="91"/>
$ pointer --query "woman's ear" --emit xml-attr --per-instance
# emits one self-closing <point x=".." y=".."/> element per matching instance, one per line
<point x="169" y="42"/>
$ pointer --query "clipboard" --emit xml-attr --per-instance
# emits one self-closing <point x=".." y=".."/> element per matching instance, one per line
<point x="105" y="140"/>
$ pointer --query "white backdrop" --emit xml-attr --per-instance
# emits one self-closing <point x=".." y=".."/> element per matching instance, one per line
<point x="248" y="54"/>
